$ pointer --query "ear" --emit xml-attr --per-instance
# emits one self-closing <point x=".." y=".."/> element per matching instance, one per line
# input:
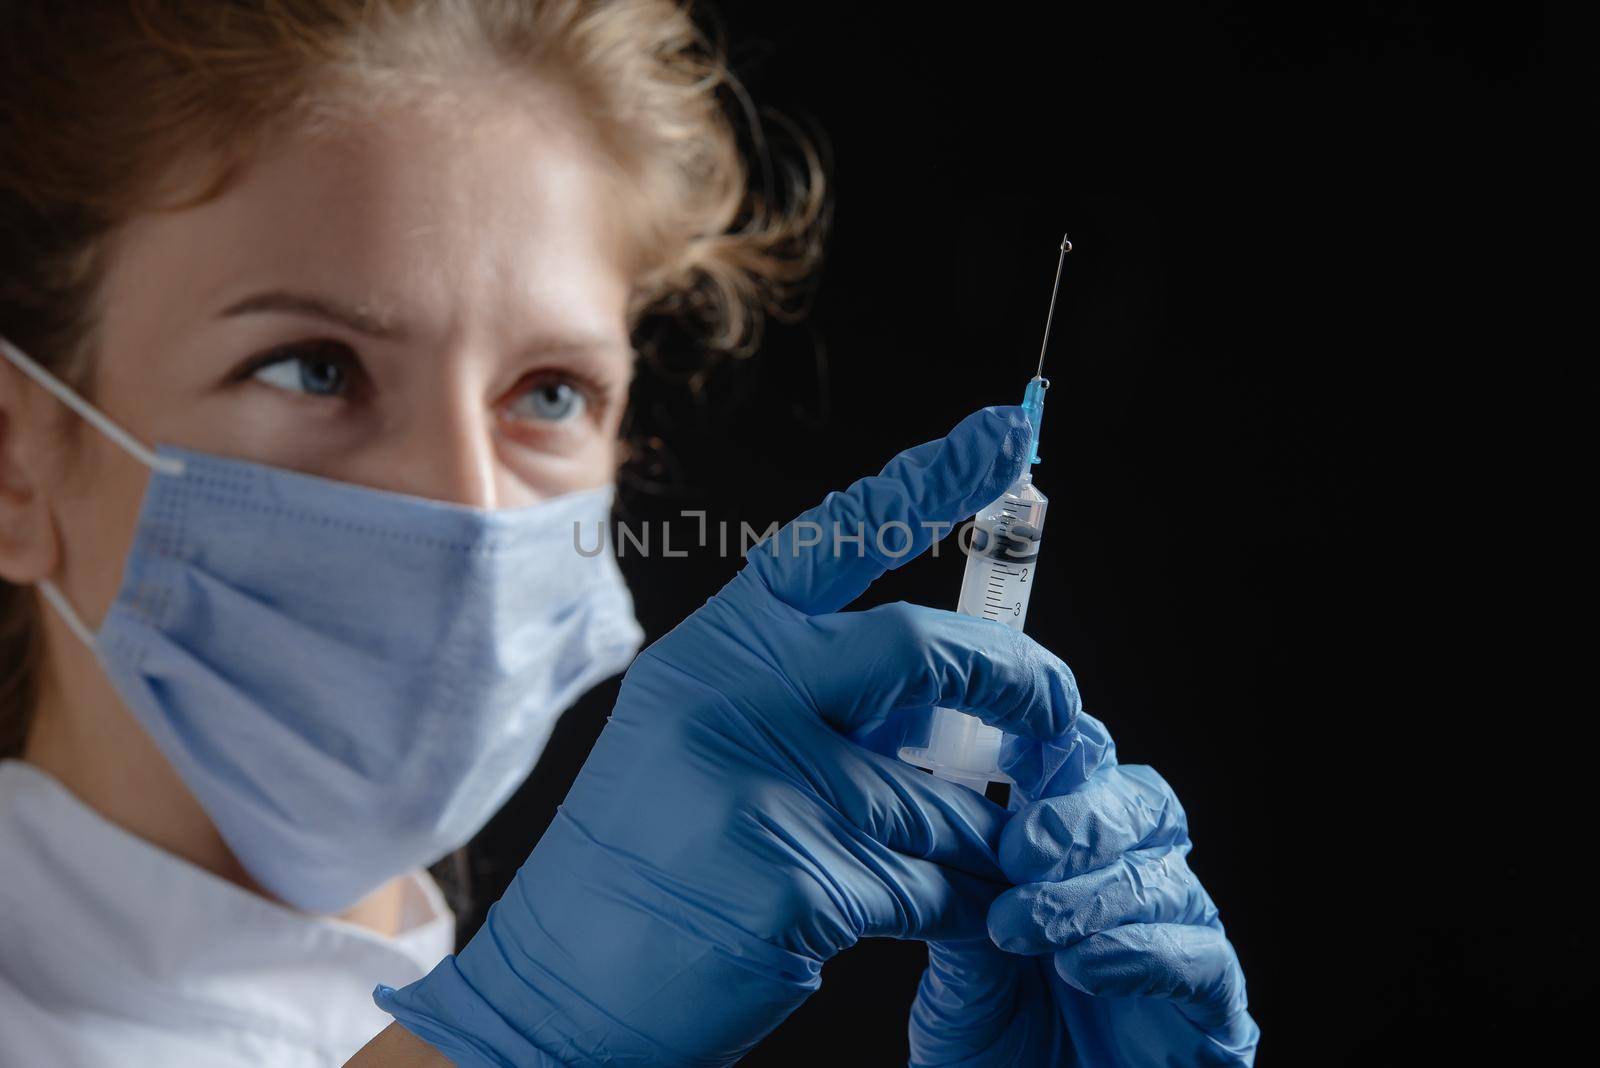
<point x="29" y="550"/>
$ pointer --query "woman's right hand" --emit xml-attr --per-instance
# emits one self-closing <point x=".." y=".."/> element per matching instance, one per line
<point x="724" y="838"/>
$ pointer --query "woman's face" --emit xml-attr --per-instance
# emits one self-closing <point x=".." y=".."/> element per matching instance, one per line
<point x="433" y="306"/>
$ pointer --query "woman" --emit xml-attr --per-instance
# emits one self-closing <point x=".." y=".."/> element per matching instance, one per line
<point x="317" y="321"/>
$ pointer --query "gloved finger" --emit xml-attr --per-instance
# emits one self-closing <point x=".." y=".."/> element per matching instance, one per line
<point x="898" y="806"/>
<point x="966" y="1001"/>
<point x="1145" y="886"/>
<point x="927" y="901"/>
<point x="1050" y="767"/>
<point x="1196" y="967"/>
<point x="845" y="886"/>
<point x="863" y="666"/>
<point x="899" y="727"/>
<point x="816" y="564"/>
<point x="1117" y="809"/>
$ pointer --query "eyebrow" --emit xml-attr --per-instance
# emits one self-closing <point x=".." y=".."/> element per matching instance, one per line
<point x="384" y="328"/>
<point x="350" y="317"/>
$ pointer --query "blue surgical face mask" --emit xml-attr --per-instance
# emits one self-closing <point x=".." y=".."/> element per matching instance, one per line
<point x="350" y="681"/>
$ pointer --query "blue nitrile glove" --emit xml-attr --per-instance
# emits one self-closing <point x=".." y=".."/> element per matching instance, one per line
<point x="724" y="838"/>
<point x="1124" y="958"/>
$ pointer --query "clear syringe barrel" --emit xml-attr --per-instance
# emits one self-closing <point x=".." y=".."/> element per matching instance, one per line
<point x="998" y="582"/>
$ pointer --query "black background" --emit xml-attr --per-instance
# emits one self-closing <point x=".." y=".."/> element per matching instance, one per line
<point x="1302" y="233"/>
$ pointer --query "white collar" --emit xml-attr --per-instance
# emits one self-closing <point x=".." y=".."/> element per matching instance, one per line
<point x="93" y="918"/>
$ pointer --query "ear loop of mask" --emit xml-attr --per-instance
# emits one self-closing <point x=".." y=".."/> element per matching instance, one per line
<point x="161" y="465"/>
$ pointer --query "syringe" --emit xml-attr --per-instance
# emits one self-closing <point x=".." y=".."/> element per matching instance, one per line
<point x="997" y="585"/>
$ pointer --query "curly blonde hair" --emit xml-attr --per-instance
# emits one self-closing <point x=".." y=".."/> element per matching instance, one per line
<point x="101" y="97"/>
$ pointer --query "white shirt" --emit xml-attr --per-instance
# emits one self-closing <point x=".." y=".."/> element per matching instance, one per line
<point x="114" y="952"/>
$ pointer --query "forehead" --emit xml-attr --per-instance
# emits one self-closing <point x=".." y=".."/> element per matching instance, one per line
<point x="495" y="210"/>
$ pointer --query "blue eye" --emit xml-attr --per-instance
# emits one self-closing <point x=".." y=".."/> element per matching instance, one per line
<point x="321" y="370"/>
<point x="550" y="402"/>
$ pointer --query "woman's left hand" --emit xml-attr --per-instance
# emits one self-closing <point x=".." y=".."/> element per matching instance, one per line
<point x="1107" y="951"/>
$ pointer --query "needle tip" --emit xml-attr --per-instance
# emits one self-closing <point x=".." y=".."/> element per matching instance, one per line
<point x="1066" y="246"/>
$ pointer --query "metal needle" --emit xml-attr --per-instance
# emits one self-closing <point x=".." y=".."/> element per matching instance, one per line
<point x="1066" y="247"/>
